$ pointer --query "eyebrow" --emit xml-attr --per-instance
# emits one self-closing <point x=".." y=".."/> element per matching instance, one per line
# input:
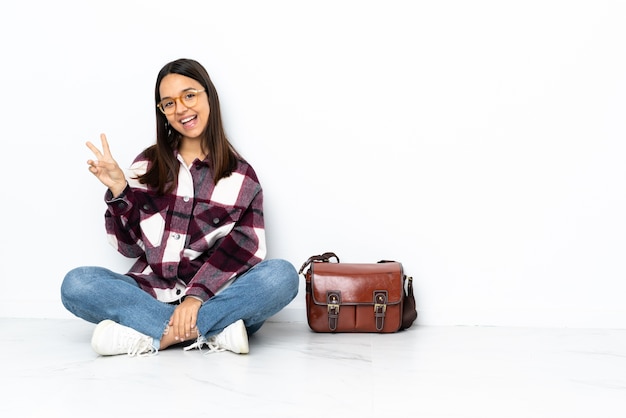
<point x="181" y="92"/>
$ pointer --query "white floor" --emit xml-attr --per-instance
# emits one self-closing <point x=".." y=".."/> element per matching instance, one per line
<point x="49" y="370"/>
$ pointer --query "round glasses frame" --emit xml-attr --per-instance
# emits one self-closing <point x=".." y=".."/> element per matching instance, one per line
<point x="189" y="98"/>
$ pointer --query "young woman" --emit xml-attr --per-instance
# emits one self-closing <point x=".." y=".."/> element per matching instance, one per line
<point x="190" y="210"/>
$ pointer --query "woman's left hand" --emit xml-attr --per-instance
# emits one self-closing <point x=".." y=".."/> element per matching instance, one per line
<point x="183" y="320"/>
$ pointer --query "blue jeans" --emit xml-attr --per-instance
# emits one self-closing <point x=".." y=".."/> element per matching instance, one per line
<point x="96" y="293"/>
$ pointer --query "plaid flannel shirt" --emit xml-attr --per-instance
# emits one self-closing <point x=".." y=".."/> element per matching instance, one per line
<point x="194" y="241"/>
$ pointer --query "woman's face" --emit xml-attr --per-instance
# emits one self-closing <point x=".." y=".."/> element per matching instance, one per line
<point x="179" y="93"/>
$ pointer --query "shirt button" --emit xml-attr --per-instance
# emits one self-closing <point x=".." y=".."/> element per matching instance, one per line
<point x="186" y="199"/>
<point x="216" y="220"/>
<point x="176" y="236"/>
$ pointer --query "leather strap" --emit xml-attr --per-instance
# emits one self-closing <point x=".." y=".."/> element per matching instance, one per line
<point x="333" y="301"/>
<point x="380" y="308"/>
<point x="322" y="257"/>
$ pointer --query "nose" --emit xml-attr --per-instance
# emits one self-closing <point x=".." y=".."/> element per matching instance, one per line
<point x="180" y="106"/>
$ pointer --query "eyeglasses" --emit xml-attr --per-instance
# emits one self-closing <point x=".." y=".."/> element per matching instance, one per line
<point x="188" y="99"/>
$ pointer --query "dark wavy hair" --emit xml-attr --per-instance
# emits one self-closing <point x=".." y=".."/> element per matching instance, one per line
<point x="162" y="173"/>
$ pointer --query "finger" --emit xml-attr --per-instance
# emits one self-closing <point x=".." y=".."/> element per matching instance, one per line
<point x="105" y="145"/>
<point x="170" y="325"/>
<point x="175" y="324"/>
<point x="188" y="328"/>
<point x="94" y="149"/>
<point x="93" y="170"/>
<point x="181" y="331"/>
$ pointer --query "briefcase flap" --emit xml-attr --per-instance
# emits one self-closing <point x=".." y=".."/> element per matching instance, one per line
<point x="357" y="282"/>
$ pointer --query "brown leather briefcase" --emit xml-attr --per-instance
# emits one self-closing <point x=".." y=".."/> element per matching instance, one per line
<point x="357" y="297"/>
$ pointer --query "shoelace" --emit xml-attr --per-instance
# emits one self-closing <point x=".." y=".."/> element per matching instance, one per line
<point x="141" y="348"/>
<point x="211" y="343"/>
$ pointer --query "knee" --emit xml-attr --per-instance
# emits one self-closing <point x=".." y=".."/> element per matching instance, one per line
<point x="285" y="274"/>
<point x="76" y="282"/>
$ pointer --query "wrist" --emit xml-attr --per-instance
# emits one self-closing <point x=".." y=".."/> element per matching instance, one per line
<point x="192" y="298"/>
<point x="117" y="189"/>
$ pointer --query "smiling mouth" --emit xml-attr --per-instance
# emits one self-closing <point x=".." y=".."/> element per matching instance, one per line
<point x="187" y="120"/>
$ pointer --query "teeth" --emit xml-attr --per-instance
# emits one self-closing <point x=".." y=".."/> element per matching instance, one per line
<point x="187" y="120"/>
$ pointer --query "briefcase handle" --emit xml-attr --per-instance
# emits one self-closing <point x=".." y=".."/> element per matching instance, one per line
<point x="322" y="257"/>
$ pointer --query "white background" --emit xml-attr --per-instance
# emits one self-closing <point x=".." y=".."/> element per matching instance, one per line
<point x="480" y="143"/>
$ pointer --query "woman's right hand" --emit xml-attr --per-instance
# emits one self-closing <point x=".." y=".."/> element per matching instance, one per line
<point x="105" y="168"/>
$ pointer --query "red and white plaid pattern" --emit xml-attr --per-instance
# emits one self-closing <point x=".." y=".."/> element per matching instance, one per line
<point x="192" y="242"/>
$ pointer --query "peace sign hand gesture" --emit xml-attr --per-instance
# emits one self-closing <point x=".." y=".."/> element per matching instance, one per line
<point x="105" y="168"/>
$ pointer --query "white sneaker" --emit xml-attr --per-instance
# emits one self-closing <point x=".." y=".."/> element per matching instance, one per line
<point x="234" y="338"/>
<point x="110" y="338"/>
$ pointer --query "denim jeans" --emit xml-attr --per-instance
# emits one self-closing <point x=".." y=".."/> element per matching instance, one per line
<point x="96" y="293"/>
